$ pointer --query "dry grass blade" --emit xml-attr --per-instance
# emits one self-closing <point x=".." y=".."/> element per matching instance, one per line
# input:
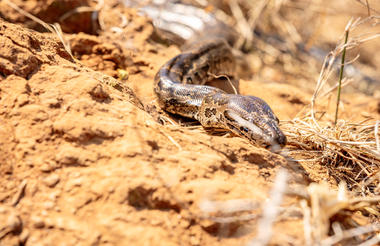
<point x="81" y="9"/>
<point x="271" y="210"/>
<point x="242" y="22"/>
<point x="229" y="211"/>
<point x="369" y="8"/>
<point x="377" y="136"/>
<point x="341" y="73"/>
<point x="358" y="231"/>
<point x="306" y="222"/>
<point x="228" y="80"/>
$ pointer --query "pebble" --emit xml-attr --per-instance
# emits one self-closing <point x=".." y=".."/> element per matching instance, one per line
<point x="49" y="205"/>
<point x="99" y="92"/>
<point x="22" y="100"/>
<point x="194" y="240"/>
<point x="38" y="222"/>
<point x="46" y="168"/>
<point x="24" y="236"/>
<point x="51" y="180"/>
<point x="14" y="222"/>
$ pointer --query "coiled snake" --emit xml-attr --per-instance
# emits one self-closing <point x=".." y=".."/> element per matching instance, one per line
<point x="180" y="86"/>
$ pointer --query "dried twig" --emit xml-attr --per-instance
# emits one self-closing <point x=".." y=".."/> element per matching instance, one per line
<point x="354" y="232"/>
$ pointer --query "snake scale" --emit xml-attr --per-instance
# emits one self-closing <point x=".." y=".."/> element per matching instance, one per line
<point x="181" y="88"/>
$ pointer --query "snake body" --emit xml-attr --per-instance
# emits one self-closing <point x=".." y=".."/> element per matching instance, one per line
<point x="180" y="85"/>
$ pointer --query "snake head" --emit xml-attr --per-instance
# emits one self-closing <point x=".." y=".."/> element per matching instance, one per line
<point x="252" y="118"/>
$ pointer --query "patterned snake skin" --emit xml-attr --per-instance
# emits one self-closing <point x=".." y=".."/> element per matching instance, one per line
<point x="180" y="86"/>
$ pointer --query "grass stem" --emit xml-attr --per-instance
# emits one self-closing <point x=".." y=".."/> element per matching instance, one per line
<point x="341" y="77"/>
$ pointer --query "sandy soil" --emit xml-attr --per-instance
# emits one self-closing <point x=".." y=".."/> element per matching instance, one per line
<point x="84" y="161"/>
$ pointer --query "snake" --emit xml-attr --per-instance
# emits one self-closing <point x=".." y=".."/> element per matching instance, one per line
<point x="182" y="86"/>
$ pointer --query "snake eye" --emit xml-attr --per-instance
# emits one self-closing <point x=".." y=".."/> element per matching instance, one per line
<point x="243" y="129"/>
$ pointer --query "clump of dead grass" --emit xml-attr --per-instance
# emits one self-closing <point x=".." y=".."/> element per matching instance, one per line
<point x="328" y="216"/>
<point x="348" y="150"/>
<point x="351" y="151"/>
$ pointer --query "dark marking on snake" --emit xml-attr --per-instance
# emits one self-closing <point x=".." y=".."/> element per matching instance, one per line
<point x="210" y="112"/>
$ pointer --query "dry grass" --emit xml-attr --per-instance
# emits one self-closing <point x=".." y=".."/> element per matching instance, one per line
<point x="271" y="210"/>
<point x="349" y="150"/>
<point x="334" y="208"/>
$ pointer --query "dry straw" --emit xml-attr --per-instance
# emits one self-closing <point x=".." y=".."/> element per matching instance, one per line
<point x="349" y="150"/>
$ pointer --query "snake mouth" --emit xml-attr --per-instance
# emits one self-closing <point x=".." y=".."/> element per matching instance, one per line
<point x="268" y="135"/>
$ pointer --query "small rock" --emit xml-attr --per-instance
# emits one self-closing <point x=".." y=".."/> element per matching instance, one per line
<point x="22" y="100"/>
<point x="53" y="103"/>
<point x="10" y="220"/>
<point x="46" y="168"/>
<point x="51" y="180"/>
<point x="14" y="223"/>
<point x="38" y="222"/>
<point x="99" y="93"/>
<point x="24" y="236"/>
<point x="194" y="240"/>
<point x="155" y="222"/>
<point x="49" y="205"/>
